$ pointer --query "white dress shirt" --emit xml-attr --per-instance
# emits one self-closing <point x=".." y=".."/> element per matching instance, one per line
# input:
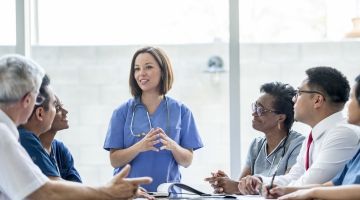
<point x="19" y="176"/>
<point x="334" y="143"/>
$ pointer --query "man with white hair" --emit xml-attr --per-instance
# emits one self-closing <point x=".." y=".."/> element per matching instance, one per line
<point x="20" y="178"/>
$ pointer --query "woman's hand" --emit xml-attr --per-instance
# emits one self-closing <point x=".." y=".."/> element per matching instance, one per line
<point x="250" y="185"/>
<point x="167" y="142"/>
<point x="217" y="181"/>
<point x="182" y="155"/>
<point x="149" y="140"/>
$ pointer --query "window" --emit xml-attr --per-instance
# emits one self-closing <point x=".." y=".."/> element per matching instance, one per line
<point x="113" y="22"/>
<point x="7" y="21"/>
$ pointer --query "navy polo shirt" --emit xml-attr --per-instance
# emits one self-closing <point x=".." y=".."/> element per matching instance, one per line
<point x="40" y="157"/>
<point x="65" y="161"/>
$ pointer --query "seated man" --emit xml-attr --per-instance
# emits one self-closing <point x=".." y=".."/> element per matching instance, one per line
<point x="347" y="181"/>
<point x="56" y="149"/>
<point x="319" y="102"/>
<point x="39" y="122"/>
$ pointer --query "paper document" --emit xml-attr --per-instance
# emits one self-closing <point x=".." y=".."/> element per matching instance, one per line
<point x="187" y="192"/>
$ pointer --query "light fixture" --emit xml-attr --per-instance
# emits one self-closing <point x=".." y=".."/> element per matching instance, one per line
<point x="215" y="67"/>
<point x="215" y="64"/>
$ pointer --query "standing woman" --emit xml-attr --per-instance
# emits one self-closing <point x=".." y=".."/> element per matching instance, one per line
<point x="152" y="132"/>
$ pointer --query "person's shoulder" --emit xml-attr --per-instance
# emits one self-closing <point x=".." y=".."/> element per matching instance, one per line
<point x="122" y="108"/>
<point x="26" y="135"/>
<point x="126" y="104"/>
<point x="295" y="139"/>
<point x="4" y="128"/>
<point x="343" y="133"/>
<point x="173" y="103"/>
<point x="257" y="142"/>
<point x="347" y="128"/>
<point x="296" y="136"/>
<point x="255" y="146"/>
<point x="346" y="125"/>
<point x="58" y="143"/>
<point x="5" y="132"/>
<point x="59" y="146"/>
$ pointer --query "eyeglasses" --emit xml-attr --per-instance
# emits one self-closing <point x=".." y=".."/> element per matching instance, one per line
<point x="298" y="93"/>
<point x="260" y="111"/>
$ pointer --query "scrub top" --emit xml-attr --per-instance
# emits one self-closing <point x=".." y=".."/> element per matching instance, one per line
<point x="40" y="157"/>
<point x="351" y="172"/>
<point x="65" y="161"/>
<point x="280" y="160"/>
<point x="173" y="117"/>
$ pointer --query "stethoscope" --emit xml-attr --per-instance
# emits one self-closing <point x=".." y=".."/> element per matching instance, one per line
<point x="282" y="156"/>
<point x="132" y="122"/>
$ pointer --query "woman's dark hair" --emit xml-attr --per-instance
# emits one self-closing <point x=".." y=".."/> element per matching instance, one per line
<point x="357" y="89"/>
<point x="329" y="81"/>
<point x="283" y="94"/>
<point x="162" y="59"/>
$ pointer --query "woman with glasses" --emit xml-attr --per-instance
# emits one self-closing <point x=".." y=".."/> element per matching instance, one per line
<point x="276" y="152"/>
<point x="153" y="132"/>
<point x="346" y="184"/>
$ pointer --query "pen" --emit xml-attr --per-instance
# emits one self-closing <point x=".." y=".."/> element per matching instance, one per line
<point x="272" y="181"/>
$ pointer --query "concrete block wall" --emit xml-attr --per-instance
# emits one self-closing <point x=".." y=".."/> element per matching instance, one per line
<point x="93" y="80"/>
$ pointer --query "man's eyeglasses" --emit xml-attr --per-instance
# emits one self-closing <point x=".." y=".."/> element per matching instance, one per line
<point x="298" y="93"/>
<point x="260" y="111"/>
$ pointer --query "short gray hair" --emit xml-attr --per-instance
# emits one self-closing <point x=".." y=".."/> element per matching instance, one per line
<point x="18" y="76"/>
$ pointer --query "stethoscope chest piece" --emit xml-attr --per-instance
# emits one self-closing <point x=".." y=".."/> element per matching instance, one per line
<point x="141" y="134"/>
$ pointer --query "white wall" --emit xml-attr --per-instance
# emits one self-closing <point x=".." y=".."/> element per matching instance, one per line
<point x="93" y="80"/>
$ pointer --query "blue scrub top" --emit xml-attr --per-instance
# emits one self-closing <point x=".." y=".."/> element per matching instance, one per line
<point x="161" y="166"/>
<point x="40" y="157"/>
<point x="351" y="172"/>
<point x="65" y="161"/>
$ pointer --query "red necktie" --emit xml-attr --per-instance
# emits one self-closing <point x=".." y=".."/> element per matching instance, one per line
<point x="307" y="158"/>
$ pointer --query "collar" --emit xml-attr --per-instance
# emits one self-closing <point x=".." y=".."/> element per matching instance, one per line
<point x="327" y="123"/>
<point x="27" y="133"/>
<point x="279" y="146"/>
<point x="282" y="144"/>
<point x="137" y="101"/>
<point x="4" y="118"/>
